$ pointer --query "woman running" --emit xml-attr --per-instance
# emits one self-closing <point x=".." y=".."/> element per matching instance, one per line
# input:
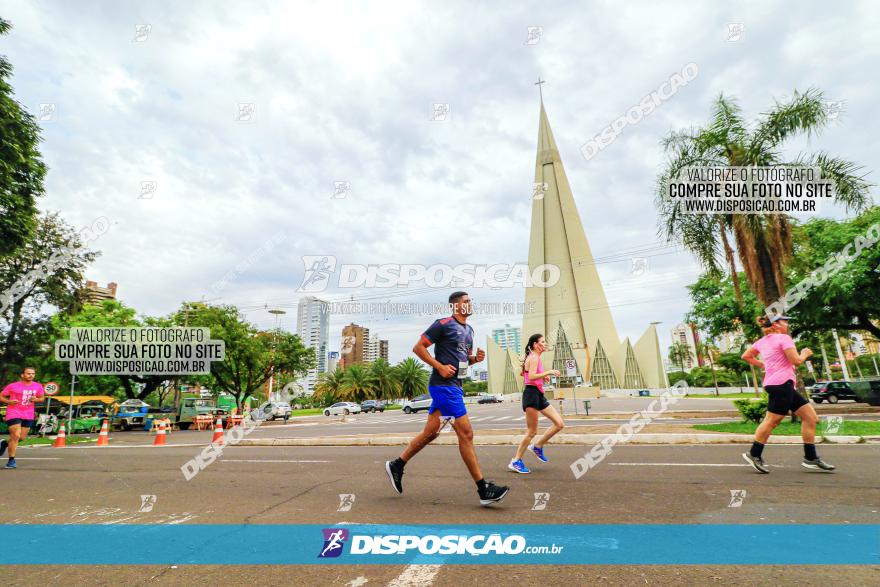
<point x="779" y="359"/>
<point x="534" y="402"/>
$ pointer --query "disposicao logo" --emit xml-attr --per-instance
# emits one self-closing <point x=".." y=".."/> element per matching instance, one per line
<point x="334" y="540"/>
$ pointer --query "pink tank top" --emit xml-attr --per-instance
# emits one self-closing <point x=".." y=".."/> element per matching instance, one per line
<point x="539" y="382"/>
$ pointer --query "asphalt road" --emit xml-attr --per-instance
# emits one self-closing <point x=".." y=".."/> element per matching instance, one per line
<point x="278" y="485"/>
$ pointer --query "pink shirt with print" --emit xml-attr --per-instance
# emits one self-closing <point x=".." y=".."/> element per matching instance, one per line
<point x="777" y="368"/>
<point x="24" y="393"/>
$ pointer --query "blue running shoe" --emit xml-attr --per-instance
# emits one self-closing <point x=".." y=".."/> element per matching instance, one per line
<point x="539" y="452"/>
<point x="518" y="467"/>
<point x="10" y="464"/>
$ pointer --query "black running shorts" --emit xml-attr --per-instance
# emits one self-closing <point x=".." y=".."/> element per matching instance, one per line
<point x="534" y="398"/>
<point x="784" y="398"/>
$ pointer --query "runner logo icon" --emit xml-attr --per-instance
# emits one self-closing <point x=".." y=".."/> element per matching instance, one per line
<point x="334" y="540"/>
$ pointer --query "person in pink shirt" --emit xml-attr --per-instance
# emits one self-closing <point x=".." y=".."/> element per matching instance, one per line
<point x="20" y="398"/>
<point x="534" y="403"/>
<point x="779" y="358"/>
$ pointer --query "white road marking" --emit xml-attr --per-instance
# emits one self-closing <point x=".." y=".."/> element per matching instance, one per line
<point x="503" y="418"/>
<point x="679" y="465"/>
<point x="520" y="418"/>
<point x="37" y="458"/>
<point x="416" y="576"/>
<point x="268" y="461"/>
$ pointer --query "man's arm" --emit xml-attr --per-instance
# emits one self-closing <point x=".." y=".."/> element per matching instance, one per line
<point x="421" y="351"/>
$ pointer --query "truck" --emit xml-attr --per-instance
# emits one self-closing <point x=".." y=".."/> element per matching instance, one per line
<point x="131" y="414"/>
<point x="190" y="407"/>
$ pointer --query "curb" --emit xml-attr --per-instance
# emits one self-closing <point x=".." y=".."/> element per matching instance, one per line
<point x="510" y="439"/>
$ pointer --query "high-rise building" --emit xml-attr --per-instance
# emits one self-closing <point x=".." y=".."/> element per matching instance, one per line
<point x="376" y="349"/>
<point x="312" y="326"/>
<point x="95" y="294"/>
<point x="573" y="313"/>
<point x="355" y="344"/>
<point x="687" y="334"/>
<point x="332" y="361"/>
<point x="508" y="338"/>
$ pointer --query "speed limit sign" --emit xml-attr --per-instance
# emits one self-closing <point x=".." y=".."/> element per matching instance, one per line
<point x="51" y="388"/>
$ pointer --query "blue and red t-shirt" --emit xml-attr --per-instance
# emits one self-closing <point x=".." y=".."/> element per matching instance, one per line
<point x="453" y="342"/>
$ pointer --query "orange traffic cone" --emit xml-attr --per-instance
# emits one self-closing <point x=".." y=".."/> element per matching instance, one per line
<point x="60" y="440"/>
<point x="218" y="433"/>
<point x="160" y="435"/>
<point x="103" y="435"/>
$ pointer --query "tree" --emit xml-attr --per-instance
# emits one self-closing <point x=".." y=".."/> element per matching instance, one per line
<point x="847" y="299"/>
<point x="47" y="269"/>
<point x="21" y="167"/>
<point x="412" y="376"/>
<point x="763" y="241"/>
<point x="358" y="383"/>
<point x="679" y="354"/>
<point x="705" y="349"/>
<point x="250" y="353"/>
<point x="384" y="380"/>
<point x="328" y="389"/>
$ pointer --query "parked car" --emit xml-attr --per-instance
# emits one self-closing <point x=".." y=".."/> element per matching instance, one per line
<point x="372" y="405"/>
<point x="342" y="408"/>
<point x="421" y="402"/>
<point x="867" y="391"/>
<point x="273" y="410"/>
<point x="833" y="391"/>
<point x="488" y="398"/>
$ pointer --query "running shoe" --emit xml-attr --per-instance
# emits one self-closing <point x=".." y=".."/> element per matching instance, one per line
<point x="11" y="464"/>
<point x="518" y="466"/>
<point x="492" y="493"/>
<point x="539" y="452"/>
<point x="3" y="445"/>
<point x="395" y="475"/>
<point x="817" y="464"/>
<point x="757" y="463"/>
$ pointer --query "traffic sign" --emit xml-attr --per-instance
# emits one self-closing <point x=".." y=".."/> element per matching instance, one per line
<point x="51" y="388"/>
<point x="570" y="368"/>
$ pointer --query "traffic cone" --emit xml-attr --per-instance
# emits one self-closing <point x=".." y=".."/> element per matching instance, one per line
<point x="103" y="435"/>
<point x="60" y="440"/>
<point x="160" y="436"/>
<point x="218" y="433"/>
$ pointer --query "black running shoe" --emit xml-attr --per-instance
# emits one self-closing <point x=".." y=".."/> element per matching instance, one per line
<point x="756" y="462"/>
<point x="3" y="445"/>
<point x="395" y="475"/>
<point x="811" y="464"/>
<point x="492" y="493"/>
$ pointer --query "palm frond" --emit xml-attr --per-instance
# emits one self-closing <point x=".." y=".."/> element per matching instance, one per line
<point x="805" y="113"/>
<point x="851" y="187"/>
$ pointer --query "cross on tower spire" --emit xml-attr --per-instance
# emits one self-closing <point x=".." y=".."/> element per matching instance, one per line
<point x="539" y="83"/>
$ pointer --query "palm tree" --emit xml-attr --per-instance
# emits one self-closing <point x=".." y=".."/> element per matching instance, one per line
<point x="385" y="380"/>
<point x="329" y="386"/>
<point x="358" y="383"/>
<point x="763" y="241"/>
<point x="679" y="354"/>
<point x="412" y="377"/>
<point x="706" y="349"/>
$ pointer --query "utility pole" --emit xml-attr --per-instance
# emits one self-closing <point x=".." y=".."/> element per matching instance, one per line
<point x="278" y="314"/>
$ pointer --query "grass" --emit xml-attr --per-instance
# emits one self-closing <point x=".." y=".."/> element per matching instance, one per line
<point x="319" y="411"/>
<point x="787" y="428"/>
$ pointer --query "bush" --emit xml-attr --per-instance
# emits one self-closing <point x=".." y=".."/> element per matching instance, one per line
<point x="752" y="410"/>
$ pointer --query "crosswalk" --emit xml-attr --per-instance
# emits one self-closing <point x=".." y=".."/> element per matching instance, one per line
<point x="403" y="418"/>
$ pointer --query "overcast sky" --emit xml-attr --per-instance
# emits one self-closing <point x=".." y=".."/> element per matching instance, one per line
<point x="345" y="91"/>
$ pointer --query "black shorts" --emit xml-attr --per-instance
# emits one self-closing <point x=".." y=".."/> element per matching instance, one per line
<point x="24" y="423"/>
<point x="784" y="398"/>
<point x="533" y="398"/>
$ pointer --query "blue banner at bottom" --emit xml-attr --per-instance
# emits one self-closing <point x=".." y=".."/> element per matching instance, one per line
<point x="357" y="544"/>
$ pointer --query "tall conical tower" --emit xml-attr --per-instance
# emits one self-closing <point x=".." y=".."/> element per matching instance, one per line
<point x="573" y="314"/>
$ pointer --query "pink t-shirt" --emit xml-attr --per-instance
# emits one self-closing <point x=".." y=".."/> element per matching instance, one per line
<point x="24" y="393"/>
<point x="777" y="368"/>
<point x="539" y="382"/>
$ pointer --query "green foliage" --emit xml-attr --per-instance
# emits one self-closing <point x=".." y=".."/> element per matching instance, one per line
<point x="475" y="387"/>
<point x="715" y="309"/>
<point x="677" y="376"/>
<point x="21" y="167"/>
<point x="752" y="410"/>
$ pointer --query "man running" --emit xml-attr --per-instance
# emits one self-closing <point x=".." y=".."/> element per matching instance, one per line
<point x="19" y="398"/>
<point x="453" y="341"/>
<point x="780" y="357"/>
